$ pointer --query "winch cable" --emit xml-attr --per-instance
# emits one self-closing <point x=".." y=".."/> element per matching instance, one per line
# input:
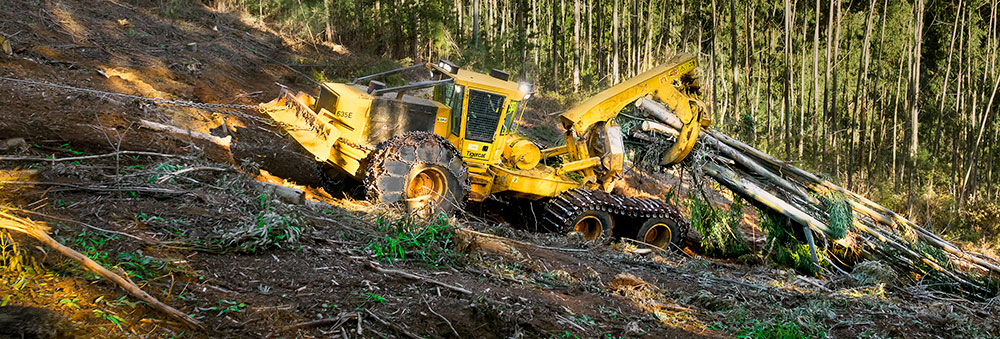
<point x="215" y="108"/>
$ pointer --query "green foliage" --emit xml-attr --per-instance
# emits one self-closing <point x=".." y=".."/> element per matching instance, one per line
<point x="11" y="258"/>
<point x="782" y="323"/>
<point x="111" y="317"/>
<point x="92" y="244"/>
<point x="785" y="249"/>
<point x="720" y="231"/>
<point x="429" y="242"/>
<point x="225" y="306"/>
<point x="781" y="330"/>
<point x="747" y="128"/>
<point x="797" y="256"/>
<point x="840" y="214"/>
<point x="372" y="296"/>
<point x="274" y="225"/>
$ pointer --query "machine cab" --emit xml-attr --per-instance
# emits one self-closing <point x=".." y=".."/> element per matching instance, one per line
<point x="483" y="111"/>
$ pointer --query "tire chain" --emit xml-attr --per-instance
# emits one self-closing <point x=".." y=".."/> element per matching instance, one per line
<point x="558" y="211"/>
<point x="383" y="152"/>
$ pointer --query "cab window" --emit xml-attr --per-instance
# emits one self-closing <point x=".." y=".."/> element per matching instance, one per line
<point x="514" y="110"/>
<point x="456" y="110"/>
<point x="484" y="115"/>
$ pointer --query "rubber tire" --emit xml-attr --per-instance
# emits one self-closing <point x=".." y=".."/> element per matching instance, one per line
<point x="395" y="162"/>
<point x="675" y="232"/>
<point x="607" y="224"/>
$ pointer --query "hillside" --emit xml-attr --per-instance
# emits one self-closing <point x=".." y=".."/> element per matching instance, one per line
<point x="201" y="218"/>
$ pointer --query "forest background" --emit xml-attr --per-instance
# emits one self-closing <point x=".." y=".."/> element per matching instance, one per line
<point x="892" y="99"/>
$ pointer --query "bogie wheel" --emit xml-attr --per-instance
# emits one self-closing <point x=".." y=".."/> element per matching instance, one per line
<point x="595" y="225"/>
<point x="422" y="171"/>
<point x="660" y="232"/>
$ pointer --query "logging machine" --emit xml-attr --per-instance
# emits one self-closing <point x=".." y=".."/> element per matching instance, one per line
<point x="432" y="145"/>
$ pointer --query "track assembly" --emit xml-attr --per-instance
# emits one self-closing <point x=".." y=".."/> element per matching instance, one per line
<point x="558" y="212"/>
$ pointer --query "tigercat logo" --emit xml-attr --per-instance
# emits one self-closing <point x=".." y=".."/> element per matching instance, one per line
<point x="471" y="154"/>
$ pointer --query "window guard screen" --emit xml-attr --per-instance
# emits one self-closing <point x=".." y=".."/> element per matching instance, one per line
<point x="484" y="115"/>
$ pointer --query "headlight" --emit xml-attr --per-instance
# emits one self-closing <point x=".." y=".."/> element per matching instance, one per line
<point x="525" y="89"/>
<point x="448" y="66"/>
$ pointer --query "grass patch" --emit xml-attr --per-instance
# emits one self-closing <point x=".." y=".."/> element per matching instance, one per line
<point x="406" y="238"/>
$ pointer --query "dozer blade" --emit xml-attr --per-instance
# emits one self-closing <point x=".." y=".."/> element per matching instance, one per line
<point x="295" y="114"/>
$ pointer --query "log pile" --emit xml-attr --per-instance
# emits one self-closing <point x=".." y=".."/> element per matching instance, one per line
<point x="874" y="233"/>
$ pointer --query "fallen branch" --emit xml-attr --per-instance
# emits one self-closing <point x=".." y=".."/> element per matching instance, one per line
<point x="170" y="175"/>
<point x="42" y="215"/>
<point x="375" y="266"/>
<point x="222" y="142"/>
<point x="446" y="321"/>
<point x="487" y="235"/>
<point x="39" y="231"/>
<point x="762" y="288"/>
<point x="648" y="245"/>
<point x="393" y="326"/>
<point x="336" y="321"/>
<point x="140" y="189"/>
<point x="88" y="157"/>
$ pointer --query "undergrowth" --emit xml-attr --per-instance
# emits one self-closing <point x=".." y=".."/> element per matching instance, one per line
<point x="274" y="225"/>
<point x="784" y="249"/>
<point x="720" y="230"/>
<point x="410" y="239"/>
<point x="800" y="322"/>
<point x="11" y="258"/>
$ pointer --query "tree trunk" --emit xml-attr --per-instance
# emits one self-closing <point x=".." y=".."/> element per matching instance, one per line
<point x="856" y="117"/>
<point x="576" y="46"/>
<point x="715" y="93"/>
<point x="826" y="87"/>
<point x="554" y="55"/>
<point x="944" y="85"/>
<point x="979" y="138"/>
<point x="788" y="77"/>
<point x="475" y="23"/>
<point x="817" y="123"/>
<point x="616" y="44"/>
<point x="733" y="57"/>
<point x="914" y="104"/>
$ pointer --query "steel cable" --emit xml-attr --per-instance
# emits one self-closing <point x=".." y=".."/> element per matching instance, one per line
<point x="215" y="108"/>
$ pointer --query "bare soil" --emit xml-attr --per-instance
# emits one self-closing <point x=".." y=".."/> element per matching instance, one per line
<point x="174" y="237"/>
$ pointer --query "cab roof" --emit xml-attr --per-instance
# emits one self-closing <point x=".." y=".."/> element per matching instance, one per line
<point x="508" y="88"/>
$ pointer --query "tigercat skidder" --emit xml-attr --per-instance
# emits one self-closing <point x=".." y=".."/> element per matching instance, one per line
<point x="434" y="144"/>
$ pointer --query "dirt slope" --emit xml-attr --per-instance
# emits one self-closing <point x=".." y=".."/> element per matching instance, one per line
<point x="197" y="240"/>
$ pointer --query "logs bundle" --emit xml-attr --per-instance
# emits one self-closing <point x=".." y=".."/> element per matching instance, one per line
<point x="874" y="233"/>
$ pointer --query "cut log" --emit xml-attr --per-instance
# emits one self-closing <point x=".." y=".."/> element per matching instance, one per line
<point x="757" y="168"/>
<point x="652" y="126"/>
<point x="747" y="189"/>
<point x="659" y="111"/>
